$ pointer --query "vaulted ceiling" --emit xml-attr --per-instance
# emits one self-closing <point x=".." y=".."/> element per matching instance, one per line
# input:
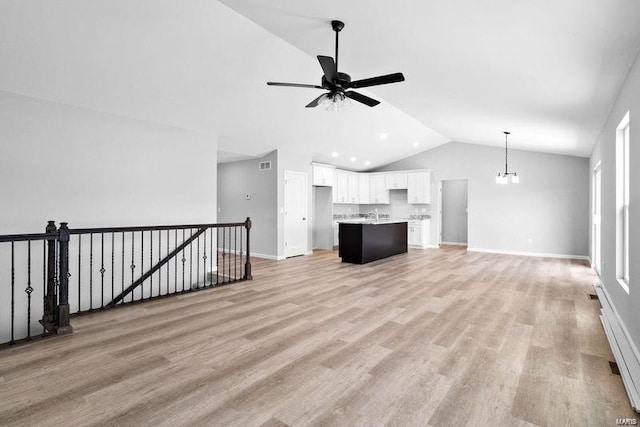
<point x="548" y="71"/>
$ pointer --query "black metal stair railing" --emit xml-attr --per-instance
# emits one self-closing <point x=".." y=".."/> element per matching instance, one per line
<point x="84" y="270"/>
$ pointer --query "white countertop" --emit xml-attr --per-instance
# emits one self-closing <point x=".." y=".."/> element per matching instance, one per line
<point x="372" y="221"/>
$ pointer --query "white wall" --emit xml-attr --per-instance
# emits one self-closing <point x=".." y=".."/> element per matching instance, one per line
<point x="546" y="213"/>
<point x="625" y="304"/>
<point x="235" y="181"/>
<point x="106" y="170"/>
<point x="91" y="169"/>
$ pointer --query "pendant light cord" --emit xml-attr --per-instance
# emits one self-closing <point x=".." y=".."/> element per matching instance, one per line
<point x="506" y="154"/>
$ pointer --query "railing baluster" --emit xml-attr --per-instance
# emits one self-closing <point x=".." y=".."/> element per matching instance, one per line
<point x="150" y="263"/>
<point x="229" y="253"/>
<point x="191" y="261"/>
<point x="122" y="272"/>
<point x="224" y="244"/>
<point x="102" y="270"/>
<point x="211" y="257"/>
<point x="168" y="269"/>
<point x="28" y="290"/>
<point x="79" y="267"/>
<point x="44" y="278"/>
<point x="217" y="255"/>
<point x="241" y="249"/>
<point x="159" y="259"/>
<point x="133" y="264"/>
<point x="141" y="264"/>
<point x="204" y="261"/>
<point x="13" y="302"/>
<point x="90" y="271"/>
<point x="113" y="264"/>
<point x="235" y="253"/>
<point x="184" y="259"/>
<point x="175" y="265"/>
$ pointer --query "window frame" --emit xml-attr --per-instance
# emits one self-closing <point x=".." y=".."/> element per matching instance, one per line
<point x="622" y="202"/>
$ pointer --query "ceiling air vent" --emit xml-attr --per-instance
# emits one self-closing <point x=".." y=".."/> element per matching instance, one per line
<point x="265" y="166"/>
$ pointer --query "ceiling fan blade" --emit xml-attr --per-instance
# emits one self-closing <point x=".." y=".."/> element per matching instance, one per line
<point x="361" y="98"/>
<point x="294" y="85"/>
<point x="314" y="103"/>
<point x="380" y="80"/>
<point x="329" y="67"/>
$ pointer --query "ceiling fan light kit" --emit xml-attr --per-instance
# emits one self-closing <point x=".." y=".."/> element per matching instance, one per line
<point x="506" y="176"/>
<point x="338" y="84"/>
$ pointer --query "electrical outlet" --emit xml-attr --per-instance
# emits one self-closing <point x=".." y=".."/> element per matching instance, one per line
<point x="424" y="210"/>
<point x="219" y="210"/>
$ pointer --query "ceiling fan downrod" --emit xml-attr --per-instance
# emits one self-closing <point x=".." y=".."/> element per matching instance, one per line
<point x="337" y="27"/>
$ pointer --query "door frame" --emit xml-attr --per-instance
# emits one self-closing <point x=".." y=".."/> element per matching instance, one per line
<point x="440" y="211"/>
<point x="304" y="175"/>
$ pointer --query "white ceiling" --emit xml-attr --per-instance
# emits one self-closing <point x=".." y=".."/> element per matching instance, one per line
<point x="548" y="71"/>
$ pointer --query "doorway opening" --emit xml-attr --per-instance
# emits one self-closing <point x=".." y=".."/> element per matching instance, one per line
<point x="453" y="200"/>
<point x="295" y="214"/>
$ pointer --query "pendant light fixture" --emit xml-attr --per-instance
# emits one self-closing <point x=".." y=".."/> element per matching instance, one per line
<point x="503" y="177"/>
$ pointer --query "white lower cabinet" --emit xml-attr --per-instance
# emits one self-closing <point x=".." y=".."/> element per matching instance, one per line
<point x="418" y="233"/>
<point x="335" y="234"/>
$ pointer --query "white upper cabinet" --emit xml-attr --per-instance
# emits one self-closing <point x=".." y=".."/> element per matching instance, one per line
<point x="341" y="189"/>
<point x="363" y="188"/>
<point x="323" y="176"/>
<point x="353" y="188"/>
<point x="378" y="193"/>
<point x="373" y="188"/>
<point x="396" y="180"/>
<point x="419" y="187"/>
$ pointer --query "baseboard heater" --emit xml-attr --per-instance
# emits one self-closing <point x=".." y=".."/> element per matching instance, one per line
<point x="622" y="347"/>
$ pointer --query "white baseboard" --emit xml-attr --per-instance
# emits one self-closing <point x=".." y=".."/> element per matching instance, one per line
<point x="265" y="256"/>
<point x="622" y="346"/>
<point x="536" y="254"/>
<point x="453" y="243"/>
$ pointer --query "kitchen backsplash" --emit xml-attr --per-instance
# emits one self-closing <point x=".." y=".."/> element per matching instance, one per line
<point x="398" y="208"/>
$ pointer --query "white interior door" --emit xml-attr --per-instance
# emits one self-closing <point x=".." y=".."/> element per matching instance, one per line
<point x="597" y="206"/>
<point x="295" y="213"/>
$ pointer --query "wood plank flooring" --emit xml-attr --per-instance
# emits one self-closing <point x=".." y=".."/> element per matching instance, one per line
<point x="433" y="337"/>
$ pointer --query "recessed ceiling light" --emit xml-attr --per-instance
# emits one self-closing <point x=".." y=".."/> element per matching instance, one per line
<point x="416" y="143"/>
<point x="353" y="159"/>
<point x="334" y="154"/>
<point x="367" y="163"/>
<point x="383" y="136"/>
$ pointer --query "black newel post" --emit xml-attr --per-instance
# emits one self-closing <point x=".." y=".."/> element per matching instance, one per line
<point x="63" y="289"/>
<point x="48" y="318"/>
<point x="247" y="265"/>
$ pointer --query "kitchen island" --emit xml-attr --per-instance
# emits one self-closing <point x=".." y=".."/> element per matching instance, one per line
<point x="363" y="242"/>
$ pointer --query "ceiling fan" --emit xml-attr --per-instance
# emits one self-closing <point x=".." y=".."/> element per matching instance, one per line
<point x="339" y="84"/>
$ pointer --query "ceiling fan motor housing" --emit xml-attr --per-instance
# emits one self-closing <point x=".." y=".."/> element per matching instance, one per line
<point x="342" y="82"/>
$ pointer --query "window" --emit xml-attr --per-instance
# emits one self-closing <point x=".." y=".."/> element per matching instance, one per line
<point x="622" y="202"/>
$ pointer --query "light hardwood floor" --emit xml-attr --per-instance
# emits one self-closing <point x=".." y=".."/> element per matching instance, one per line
<point x="435" y="337"/>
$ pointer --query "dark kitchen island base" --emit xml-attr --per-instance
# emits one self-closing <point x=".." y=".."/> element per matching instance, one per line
<point x="361" y="243"/>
